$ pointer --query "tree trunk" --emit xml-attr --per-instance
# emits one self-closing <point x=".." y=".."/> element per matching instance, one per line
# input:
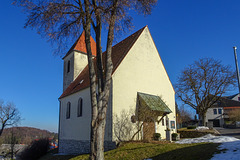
<point x="92" y="79"/>
<point x="99" y="106"/>
<point x="100" y="140"/>
<point x="203" y="115"/>
<point x="204" y="119"/>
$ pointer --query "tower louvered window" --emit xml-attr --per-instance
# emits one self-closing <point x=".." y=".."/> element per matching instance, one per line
<point x="79" y="109"/>
<point x="68" y="66"/>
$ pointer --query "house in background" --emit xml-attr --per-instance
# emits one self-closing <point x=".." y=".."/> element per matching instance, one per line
<point x="139" y="82"/>
<point x="218" y="114"/>
<point x="235" y="97"/>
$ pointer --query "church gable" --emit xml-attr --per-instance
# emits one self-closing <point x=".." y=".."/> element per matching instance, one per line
<point x="119" y="51"/>
<point x="141" y="70"/>
<point x="143" y="60"/>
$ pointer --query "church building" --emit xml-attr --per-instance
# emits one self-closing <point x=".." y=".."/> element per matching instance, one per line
<point x="139" y="82"/>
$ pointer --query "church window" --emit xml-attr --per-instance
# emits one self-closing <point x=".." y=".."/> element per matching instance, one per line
<point x="79" y="109"/>
<point x="68" y="66"/>
<point x="68" y="110"/>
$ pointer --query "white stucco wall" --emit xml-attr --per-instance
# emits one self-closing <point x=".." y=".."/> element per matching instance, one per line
<point x="75" y="128"/>
<point x="78" y="62"/>
<point x="78" y="128"/>
<point x="142" y="70"/>
<point x="68" y="76"/>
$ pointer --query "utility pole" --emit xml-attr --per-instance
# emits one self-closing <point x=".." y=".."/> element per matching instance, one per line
<point x="235" y="55"/>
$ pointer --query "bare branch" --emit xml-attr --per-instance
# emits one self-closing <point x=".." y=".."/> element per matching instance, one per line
<point x="202" y="84"/>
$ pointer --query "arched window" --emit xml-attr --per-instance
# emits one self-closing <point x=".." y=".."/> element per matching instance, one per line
<point x="79" y="109"/>
<point x="68" y="110"/>
<point x="68" y="66"/>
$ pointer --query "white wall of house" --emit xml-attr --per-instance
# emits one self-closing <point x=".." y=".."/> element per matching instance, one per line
<point x="215" y="113"/>
<point x="236" y="97"/>
<point x="142" y="70"/>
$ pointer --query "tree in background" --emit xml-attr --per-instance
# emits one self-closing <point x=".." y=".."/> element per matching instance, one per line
<point x="183" y="116"/>
<point x="63" y="20"/>
<point x="202" y="84"/>
<point x="234" y="115"/>
<point x="9" y="115"/>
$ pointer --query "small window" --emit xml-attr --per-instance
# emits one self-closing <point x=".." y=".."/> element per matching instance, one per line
<point x="68" y="67"/>
<point x="219" y="111"/>
<point x="214" y="111"/>
<point x="163" y="122"/>
<point x="172" y="124"/>
<point x="79" y="110"/>
<point x="68" y="110"/>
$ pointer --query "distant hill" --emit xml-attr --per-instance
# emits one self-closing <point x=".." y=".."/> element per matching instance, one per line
<point x="25" y="135"/>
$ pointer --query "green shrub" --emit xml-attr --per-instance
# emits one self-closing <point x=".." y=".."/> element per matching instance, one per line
<point x="174" y="135"/>
<point x="156" y="136"/>
<point x="191" y="127"/>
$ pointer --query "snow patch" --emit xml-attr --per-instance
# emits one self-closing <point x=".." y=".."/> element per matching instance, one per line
<point x="201" y="128"/>
<point x="230" y="145"/>
<point x="208" y="138"/>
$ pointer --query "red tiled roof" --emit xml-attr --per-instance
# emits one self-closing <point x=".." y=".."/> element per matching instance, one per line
<point x="80" y="45"/>
<point x="119" y="51"/>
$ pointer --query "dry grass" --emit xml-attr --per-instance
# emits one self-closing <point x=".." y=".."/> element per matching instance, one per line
<point x="140" y="150"/>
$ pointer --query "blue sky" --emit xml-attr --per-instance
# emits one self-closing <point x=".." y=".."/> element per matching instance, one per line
<point x="183" y="31"/>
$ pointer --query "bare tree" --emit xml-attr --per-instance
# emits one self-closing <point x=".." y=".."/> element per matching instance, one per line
<point x="13" y="141"/>
<point x="183" y="115"/>
<point x="9" y="115"/>
<point x="202" y="84"/>
<point x="59" y="20"/>
<point x="128" y="124"/>
<point x="234" y="115"/>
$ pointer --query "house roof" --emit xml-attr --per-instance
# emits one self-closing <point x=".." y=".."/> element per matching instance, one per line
<point x="232" y="96"/>
<point x="80" y="45"/>
<point x="226" y="108"/>
<point x="225" y="102"/>
<point x="154" y="103"/>
<point x="119" y="51"/>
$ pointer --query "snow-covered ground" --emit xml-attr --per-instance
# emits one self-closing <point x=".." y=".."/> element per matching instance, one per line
<point x="230" y="145"/>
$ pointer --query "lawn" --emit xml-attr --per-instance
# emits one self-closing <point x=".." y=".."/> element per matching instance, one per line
<point x="155" y="151"/>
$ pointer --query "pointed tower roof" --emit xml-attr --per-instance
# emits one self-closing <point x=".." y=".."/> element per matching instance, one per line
<point x="80" y="45"/>
<point x="119" y="51"/>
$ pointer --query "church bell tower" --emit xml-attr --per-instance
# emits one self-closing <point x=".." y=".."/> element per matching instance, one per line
<point x="76" y="60"/>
